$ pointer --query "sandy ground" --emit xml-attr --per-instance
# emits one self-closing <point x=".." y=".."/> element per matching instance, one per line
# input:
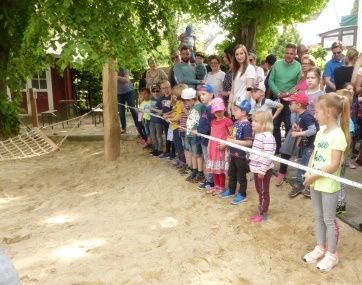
<point x="71" y="218"/>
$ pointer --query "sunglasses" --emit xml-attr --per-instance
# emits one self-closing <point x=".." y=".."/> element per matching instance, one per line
<point x="251" y="59"/>
<point x="154" y="91"/>
<point x="176" y="56"/>
<point x="337" y="52"/>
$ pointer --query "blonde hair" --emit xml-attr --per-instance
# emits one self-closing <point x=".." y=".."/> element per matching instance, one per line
<point x="357" y="66"/>
<point x="351" y="54"/>
<point x="341" y="108"/>
<point x="165" y="82"/>
<point x="177" y="90"/>
<point x="266" y="120"/>
<point x="310" y="58"/>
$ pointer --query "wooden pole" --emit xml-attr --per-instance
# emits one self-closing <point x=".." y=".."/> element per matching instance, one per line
<point x="112" y="131"/>
<point x="34" y="112"/>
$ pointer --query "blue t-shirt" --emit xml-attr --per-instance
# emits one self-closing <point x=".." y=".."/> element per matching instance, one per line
<point x="157" y="104"/>
<point x="242" y="131"/>
<point x="306" y="119"/>
<point x="204" y="126"/>
<point x="329" y="70"/>
<point x="166" y="104"/>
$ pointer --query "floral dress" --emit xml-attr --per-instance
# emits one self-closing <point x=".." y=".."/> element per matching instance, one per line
<point x="218" y="160"/>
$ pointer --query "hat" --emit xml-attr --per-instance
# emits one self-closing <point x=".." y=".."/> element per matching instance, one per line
<point x="155" y="86"/>
<point x="259" y="86"/>
<point x="299" y="97"/>
<point x="188" y="93"/>
<point x="217" y="104"/>
<point x="200" y="54"/>
<point x="243" y="104"/>
<point x="205" y="87"/>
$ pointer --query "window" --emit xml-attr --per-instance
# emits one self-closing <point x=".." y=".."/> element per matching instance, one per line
<point x="39" y="81"/>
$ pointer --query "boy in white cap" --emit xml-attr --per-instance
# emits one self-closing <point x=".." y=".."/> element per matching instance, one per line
<point x="193" y="118"/>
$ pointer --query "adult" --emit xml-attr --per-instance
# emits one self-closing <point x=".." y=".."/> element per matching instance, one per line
<point x="228" y="79"/>
<point x="307" y="62"/>
<point x="188" y="39"/>
<point x="154" y="75"/>
<point x="125" y="94"/>
<point x="215" y="77"/>
<point x="336" y="61"/>
<point x="259" y="71"/>
<point x="243" y="76"/>
<point x="283" y="79"/>
<point x="175" y="57"/>
<point x="343" y="74"/>
<point x="301" y="50"/>
<point x="184" y="71"/>
<point x="357" y="75"/>
<point x="269" y="61"/>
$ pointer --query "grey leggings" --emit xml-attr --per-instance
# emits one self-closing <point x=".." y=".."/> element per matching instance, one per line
<point x="326" y="226"/>
<point x="156" y="135"/>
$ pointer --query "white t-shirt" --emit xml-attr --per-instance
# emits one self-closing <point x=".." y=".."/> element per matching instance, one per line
<point x="215" y="80"/>
<point x="259" y="73"/>
<point x="240" y="82"/>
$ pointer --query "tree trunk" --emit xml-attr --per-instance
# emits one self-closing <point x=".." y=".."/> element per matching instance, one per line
<point x="112" y="131"/>
<point x="4" y="59"/>
<point x="247" y="35"/>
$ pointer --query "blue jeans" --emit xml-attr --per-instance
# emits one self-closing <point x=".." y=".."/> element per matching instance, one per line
<point x="209" y="177"/>
<point x="128" y="97"/>
<point x="307" y="152"/>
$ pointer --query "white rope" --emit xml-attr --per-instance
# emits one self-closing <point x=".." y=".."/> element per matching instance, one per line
<point x="276" y="158"/>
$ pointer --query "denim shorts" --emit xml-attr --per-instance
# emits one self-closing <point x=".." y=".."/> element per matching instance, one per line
<point x="147" y="128"/>
<point x="193" y="147"/>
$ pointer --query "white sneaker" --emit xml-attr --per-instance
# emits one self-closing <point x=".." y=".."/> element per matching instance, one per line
<point x="328" y="261"/>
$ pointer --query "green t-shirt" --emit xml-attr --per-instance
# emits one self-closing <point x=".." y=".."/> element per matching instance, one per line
<point x="194" y="117"/>
<point x="145" y="108"/>
<point x="322" y="156"/>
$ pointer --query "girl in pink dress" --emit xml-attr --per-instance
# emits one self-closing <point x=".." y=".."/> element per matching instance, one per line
<point x="218" y="160"/>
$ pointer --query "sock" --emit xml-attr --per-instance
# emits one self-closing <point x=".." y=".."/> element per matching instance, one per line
<point x="200" y="173"/>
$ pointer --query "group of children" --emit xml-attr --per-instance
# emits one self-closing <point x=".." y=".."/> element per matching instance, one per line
<point x="206" y="142"/>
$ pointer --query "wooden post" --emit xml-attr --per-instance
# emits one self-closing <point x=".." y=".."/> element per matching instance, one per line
<point x="34" y="112"/>
<point x="112" y="130"/>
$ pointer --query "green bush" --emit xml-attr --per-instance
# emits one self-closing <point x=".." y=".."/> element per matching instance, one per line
<point x="10" y="119"/>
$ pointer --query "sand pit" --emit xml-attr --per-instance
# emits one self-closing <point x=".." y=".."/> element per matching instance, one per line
<point x="70" y="218"/>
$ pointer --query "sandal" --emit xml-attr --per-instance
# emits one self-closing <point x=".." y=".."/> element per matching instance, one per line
<point x="210" y="191"/>
<point x="351" y="166"/>
<point x="218" y="191"/>
<point x="314" y="255"/>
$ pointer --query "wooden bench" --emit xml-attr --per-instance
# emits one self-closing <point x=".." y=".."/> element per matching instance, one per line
<point x="49" y="115"/>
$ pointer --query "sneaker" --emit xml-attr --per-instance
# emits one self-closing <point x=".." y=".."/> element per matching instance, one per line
<point x="198" y="178"/>
<point x="190" y="177"/>
<point x="206" y="185"/>
<point x="296" y="190"/>
<point x="176" y="162"/>
<point x="280" y="179"/>
<point x="314" y="255"/>
<point x="238" y="199"/>
<point x="257" y="218"/>
<point x="148" y="146"/>
<point x="142" y="143"/>
<point x="217" y="191"/>
<point x="185" y="170"/>
<point x="165" y="155"/>
<point x="306" y="192"/>
<point x="252" y="178"/>
<point x="180" y="165"/>
<point x="227" y="193"/>
<point x="172" y="157"/>
<point x="155" y="153"/>
<point x="341" y="208"/>
<point x="328" y="261"/>
<point x="351" y="165"/>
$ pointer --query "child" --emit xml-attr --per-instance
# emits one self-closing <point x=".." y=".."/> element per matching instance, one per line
<point x="188" y="39"/>
<point x="238" y="167"/>
<point x="144" y="121"/>
<point x="200" y="69"/>
<point x="166" y="110"/>
<point x="261" y="103"/>
<point x="174" y="119"/>
<point x="206" y="94"/>
<point x="262" y="168"/>
<point x="217" y="156"/>
<point x="155" y="122"/>
<point x="331" y="145"/>
<point x="307" y="129"/>
<point x="313" y="79"/>
<point x="196" y="109"/>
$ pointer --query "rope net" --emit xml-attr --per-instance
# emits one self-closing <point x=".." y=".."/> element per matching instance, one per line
<point x="30" y="144"/>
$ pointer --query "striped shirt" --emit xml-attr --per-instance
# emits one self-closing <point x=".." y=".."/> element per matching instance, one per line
<point x="264" y="142"/>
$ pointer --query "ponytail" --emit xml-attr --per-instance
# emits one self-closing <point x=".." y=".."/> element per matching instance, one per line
<point x="345" y="119"/>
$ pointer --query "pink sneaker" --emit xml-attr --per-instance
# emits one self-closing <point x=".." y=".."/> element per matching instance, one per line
<point x="259" y="218"/>
<point x="328" y="261"/>
<point x="280" y="179"/>
<point x="217" y="191"/>
<point x="314" y="255"/>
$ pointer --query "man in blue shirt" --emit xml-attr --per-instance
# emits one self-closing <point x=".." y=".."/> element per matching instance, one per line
<point x="336" y="61"/>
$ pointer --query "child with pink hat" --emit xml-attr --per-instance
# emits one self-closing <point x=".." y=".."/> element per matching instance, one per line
<point x="218" y="160"/>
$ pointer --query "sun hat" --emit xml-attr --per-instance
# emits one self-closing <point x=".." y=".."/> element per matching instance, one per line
<point x="243" y="104"/>
<point x="259" y="86"/>
<point x="155" y="86"/>
<point x="299" y="97"/>
<point x="188" y="93"/>
<point x="217" y="104"/>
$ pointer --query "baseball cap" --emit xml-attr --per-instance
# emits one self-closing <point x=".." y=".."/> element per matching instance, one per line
<point x="217" y="104"/>
<point x="155" y="86"/>
<point x="259" y="86"/>
<point x="299" y="97"/>
<point x="188" y="93"/>
<point x="205" y="87"/>
<point x="243" y="104"/>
